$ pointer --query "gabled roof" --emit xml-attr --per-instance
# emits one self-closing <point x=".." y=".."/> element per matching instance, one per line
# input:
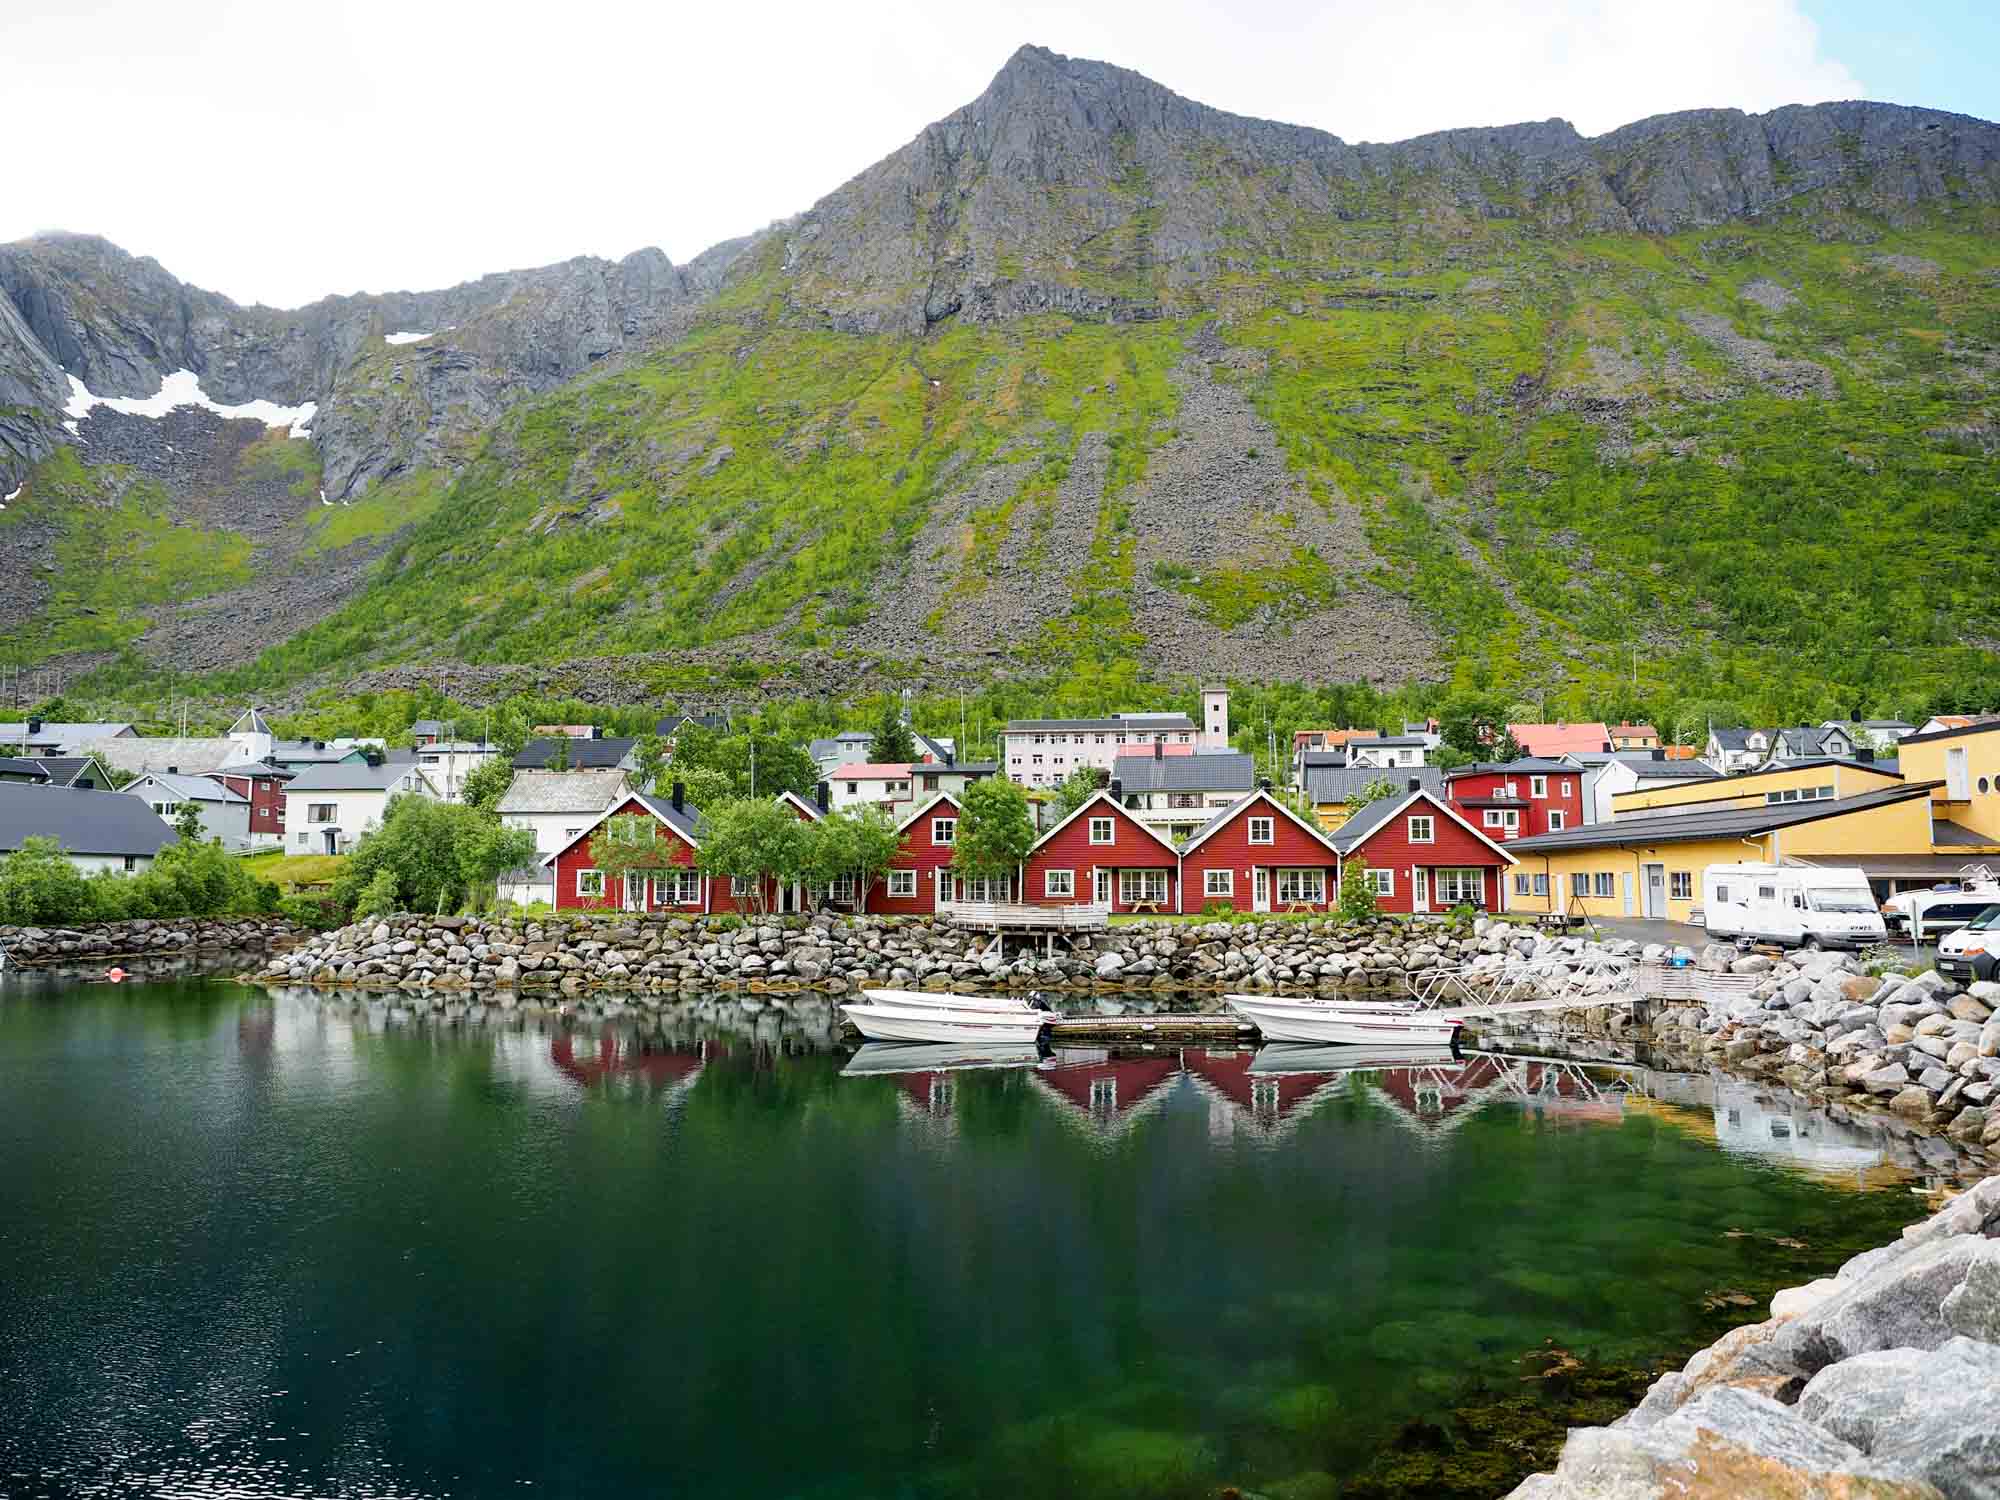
<point x="252" y="722"/>
<point x="1974" y="724"/>
<point x="1627" y="731"/>
<point x="187" y="788"/>
<point x="956" y="805"/>
<point x="432" y="727"/>
<point x="684" y="823"/>
<point x="561" y="791"/>
<point x="255" y="769"/>
<point x="1553" y="739"/>
<point x="1111" y="804"/>
<point x="1344" y="783"/>
<point x="813" y="814"/>
<point x="1229" y="815"/>
<point x="356" y="776"/>
<point x="1680" y="826"/>
<point x="192" y="757"/>
<point x="1226" y="772"/>
<point x="593" y="755"/>
<point x="1645" y="768"/>
<point x="673" y="722"/>
<point x="66" y="735"/>
<point x="1732" y="739"/>
<point x="82" y="821"/>
<point x="57" y="770"/>
<point x="1377" y="815"/>
<point x="1527" y="765"/>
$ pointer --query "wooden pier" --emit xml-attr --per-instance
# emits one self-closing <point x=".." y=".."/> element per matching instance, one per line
<point x="1215" y="1030"/>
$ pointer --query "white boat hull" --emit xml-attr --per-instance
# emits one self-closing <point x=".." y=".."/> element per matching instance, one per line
<point x="1358" y="1007"/>
<point x="925" y="1000"/>
<point x="887" y="1023"/>
<point x="891" y="1058"/>
<point x="1296" y="1023"/>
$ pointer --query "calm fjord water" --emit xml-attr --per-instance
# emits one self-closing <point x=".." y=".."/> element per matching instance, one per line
<point x="252" y="1247"/>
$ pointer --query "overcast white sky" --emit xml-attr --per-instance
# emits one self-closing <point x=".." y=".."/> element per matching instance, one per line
<point x="281" y="152"/>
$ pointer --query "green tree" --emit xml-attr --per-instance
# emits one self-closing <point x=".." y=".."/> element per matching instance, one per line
<point x="1472" y="726"/>
<point x="559" y="754"/>
<point x="187" y="823"/>
<point x="1077" y="788"/>
<point x="627" y="844"/>
<point x="862" y="842"/>
<point x="379" y="900"/>
<point x="1375" y="791"/>
<point x="488" y="783"/>
<point x="649" y="756"/>
<point x="701" y="786"/>
<point x="438" y="853"/>
<point x="38" y="884"/>
<point x="749" y="839"/>
<point x="893" y="744"/>
<point x="1357" y="896"/>
<point x="995" y="831"/>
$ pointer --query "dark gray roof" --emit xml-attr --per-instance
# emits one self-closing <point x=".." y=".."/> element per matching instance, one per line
<point x="583" y="754"/>
<point x="1163" y="723"/>
<point x="1527" y="765"/>
<point x="1733" y="739"/>
<point x="187" y="788"/>
<point x="672" y="723"/>
<point x="1224" y="772"/>
<point x="353" y="776"/>
<point x="54" y="770"/>
<point x="956" y="768"/>
<point x="1366" y="820"/>
<point x="1340" y="783"/>
<point x="1674" y="770"/>
<point x="1956" y="835"/>
<point x="1728" y="822"/>
<point x="309" y="753"/>
<point x="432" y="727"/>
<point x="257" y="768"/>
<point x="1388" y="741"/>
<point x="83" y="822"/>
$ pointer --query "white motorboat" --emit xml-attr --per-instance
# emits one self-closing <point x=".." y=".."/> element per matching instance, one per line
<point x="1277" y="1059"/>
<point x="910" y="1023"/>
<point x="1299" y="1022"/>
<point x="943" y="1000"/>
<point x="1319" y="1006"/>
<point x="876" y="1059"/>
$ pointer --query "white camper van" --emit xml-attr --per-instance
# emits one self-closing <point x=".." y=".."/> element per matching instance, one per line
<point x="1801" y="906"/>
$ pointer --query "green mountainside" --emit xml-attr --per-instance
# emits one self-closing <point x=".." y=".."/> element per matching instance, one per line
<point x="1090" y="383"/>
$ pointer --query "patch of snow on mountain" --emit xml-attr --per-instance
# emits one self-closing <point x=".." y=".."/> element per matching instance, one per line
<point x="15" y="496"/>
<point x="405" y="338"/>
<point x="183" y="388"/>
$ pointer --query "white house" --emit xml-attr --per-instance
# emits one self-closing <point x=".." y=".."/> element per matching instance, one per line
<point x="556" y="806"/>
<point x="449" y="762"/>
<point x="329" y="807"/>
<point x="1042" y="752"/>
<point x="1388" y="750"/>
<point x="1880" y="735"/>
<point x="1606" y="773"/>
<point x="225" y="813"/>
<point x="1174" y="795"/>
<point x="1733" y="750"/>
<point x="97" y="830"/>
<point x="1790" y="746"/>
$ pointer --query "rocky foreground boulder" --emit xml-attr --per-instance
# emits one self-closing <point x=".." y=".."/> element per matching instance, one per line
<point x="1880" y="1381"/>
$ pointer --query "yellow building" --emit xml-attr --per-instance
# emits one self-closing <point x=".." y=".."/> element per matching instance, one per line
<point x="1966" y="764"/>
<point x="1652" y="865"/>
<point x="1824" y="781"/>
<point x="1333" y="794"/>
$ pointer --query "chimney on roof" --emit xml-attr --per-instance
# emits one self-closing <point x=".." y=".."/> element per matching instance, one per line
<point x="1659" y="753"/>
<point x="1116" y="786"/>
<point x="1159" y="751"/>
<point x="1864" y="754"/>
<point x="1416" y="783"/>
<point x="173" y="770"/>
<point x="1263" y="783"/>
<point x="680" y="796"/>
<point x="34" y="725"/>
<point x="950" y="759"/>
<point x="822" y="796"/>
<point x="319" y="744"/>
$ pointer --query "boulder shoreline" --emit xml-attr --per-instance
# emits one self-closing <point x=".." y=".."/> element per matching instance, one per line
<point x="1877" y="1381"/>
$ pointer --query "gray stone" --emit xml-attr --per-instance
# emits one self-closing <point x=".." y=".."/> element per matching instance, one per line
<point x="1926" y="1412"/>
<point x="1897" y="1304"/>
<point x="1889" y="1080"/>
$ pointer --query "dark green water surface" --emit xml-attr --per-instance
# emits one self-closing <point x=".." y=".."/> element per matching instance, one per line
<point x="258" y="1247"/>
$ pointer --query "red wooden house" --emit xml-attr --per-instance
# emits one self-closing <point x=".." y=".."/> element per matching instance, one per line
<point x="676" y="885"/>
<point x="1259" y="855"/>
<point x="920" y="876"/>
<point x="264" y="786"/>
<point x="1517" y="799"/>
<point x="1423" y="855"/>
<point x="1100" y="855"/>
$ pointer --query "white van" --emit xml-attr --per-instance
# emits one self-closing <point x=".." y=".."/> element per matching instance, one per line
<point x="1973" y="951"/>
<point x="1800" y="906"/>
<point x="1921" y="915"/>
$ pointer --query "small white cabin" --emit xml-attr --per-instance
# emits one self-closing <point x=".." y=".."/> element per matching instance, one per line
<point x="1800" y="906"/>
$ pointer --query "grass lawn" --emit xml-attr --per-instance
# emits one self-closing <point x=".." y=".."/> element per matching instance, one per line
<point x="289" y="871"/>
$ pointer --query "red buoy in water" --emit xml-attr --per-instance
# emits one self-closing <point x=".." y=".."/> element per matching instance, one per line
<point x="114" y="974"/>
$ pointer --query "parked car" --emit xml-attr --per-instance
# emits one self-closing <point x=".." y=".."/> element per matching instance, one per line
<point x="1800" y="906"/>
<point x="1972" y="952"/>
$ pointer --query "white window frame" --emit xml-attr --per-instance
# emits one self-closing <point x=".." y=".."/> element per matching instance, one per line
<point x="1680" y="885"/>
<point x="1429" y="835"/>
<point x="1059" y="885"/>
<point x="590" y="883"/>
<point x="1558" y="820"/>
<point x="1603" y="884"/>
<point x="1565" y="788"/>
<point x="1522" y="883"/>
<point x="1381" y="881"/>
<point x="1307" y="886"/>
<point x="739" y="887"/>
<point x="1448" y="883"/>
<point x="1538" y="786"/>
<point x="1218" y="883"/>
<point x="1542" y="885"/>
<point x="1110" y="826"/>
<point x="1270" y="830"/>
<point x="841" y="890"/>
<point x="1135" y="886"/>
<point x="902" y="885"/>
<point x="944" y="831"/>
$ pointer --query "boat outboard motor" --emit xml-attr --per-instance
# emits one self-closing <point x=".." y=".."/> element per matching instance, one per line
<point x="1045" y="1044"/>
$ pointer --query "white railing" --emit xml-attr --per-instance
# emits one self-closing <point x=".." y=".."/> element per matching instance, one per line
<point x="1018" y="915"/>
<point x="1518" y="980"/>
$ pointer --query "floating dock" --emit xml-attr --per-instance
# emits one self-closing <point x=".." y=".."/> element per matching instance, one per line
<point x="1139" y="1029"/>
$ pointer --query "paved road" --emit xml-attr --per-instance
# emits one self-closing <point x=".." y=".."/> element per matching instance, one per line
<point x="1647" y="930"/>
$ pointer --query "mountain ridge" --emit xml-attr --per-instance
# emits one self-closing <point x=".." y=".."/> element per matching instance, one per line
<point x="1084" y="369"/>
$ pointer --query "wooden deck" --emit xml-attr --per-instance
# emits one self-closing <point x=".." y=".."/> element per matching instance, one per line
<point x="1010" y="916"/>
<point x="1212" y="1029"/>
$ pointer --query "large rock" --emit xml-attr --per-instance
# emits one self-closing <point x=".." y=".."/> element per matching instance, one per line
<point x="1898" y="1303"/>
<point x="1926" y="1412"/>
<point x="1727" y="1445"/>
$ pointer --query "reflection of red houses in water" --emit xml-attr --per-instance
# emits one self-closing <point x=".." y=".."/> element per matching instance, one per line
<point x="1439" y="1099"/>
<point x="1268" y="1099"/>
<point x="629" y="1057"/>
<point x="1108" y="1090"/>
